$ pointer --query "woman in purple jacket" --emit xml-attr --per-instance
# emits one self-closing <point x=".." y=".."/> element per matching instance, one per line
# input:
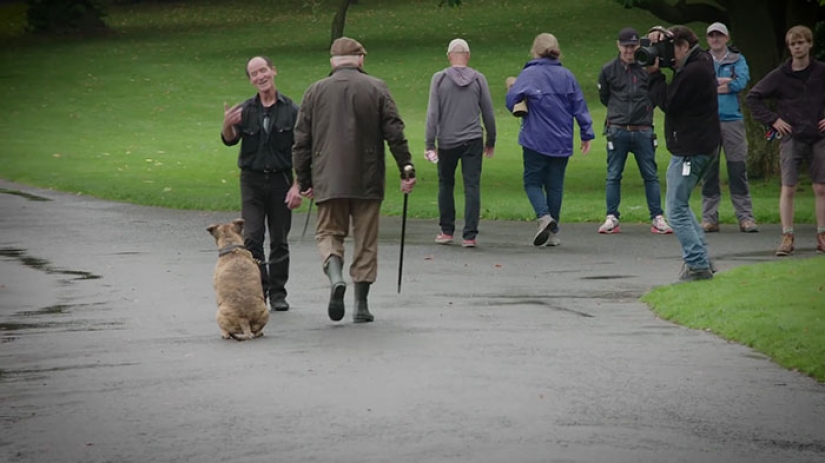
<point x="553" y="100"/>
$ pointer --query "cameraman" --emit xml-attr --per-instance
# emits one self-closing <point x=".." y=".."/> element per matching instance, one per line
<point x="692" y="134"/>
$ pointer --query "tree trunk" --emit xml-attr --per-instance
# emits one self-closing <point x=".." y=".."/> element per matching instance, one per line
<point x="340" y="20"/>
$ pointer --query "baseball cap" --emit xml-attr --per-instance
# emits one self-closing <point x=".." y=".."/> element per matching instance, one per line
<point x="628" y="36"/>
<point x="458" y="46"/>
<point x="718" y="27"/>
<point x="345" y="46"/>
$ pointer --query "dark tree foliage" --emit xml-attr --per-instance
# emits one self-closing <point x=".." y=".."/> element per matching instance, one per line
<point x="65" y="16"/>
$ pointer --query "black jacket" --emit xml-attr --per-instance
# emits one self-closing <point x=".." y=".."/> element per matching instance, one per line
<point x="259" y="151"/>
<point x="624" y="90"/>
<point x="800" y="102"/>
<point x="691" y="105"/>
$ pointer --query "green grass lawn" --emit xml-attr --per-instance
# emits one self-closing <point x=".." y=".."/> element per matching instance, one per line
<point x="777" y="308"/>
<point x="135" y="116"/>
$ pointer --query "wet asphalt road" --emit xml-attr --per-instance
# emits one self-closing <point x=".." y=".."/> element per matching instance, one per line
<point x="110" y="351"/>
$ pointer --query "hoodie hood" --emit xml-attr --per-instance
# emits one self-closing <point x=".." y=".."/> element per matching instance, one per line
<point x="462" y="76"/>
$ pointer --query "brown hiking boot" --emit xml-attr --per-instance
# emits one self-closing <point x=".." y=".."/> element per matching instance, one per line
<point x="710" y="227"/>
<point x="748" y="226"/>
<point x="820" y="242"/>
<point x="786" y="246"/>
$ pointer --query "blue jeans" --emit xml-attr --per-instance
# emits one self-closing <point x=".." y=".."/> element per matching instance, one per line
<point x="469" y="154"/>
<point x="544" y="183"/>
<point x="677" y="198"/>
<point x="641" y="145"/>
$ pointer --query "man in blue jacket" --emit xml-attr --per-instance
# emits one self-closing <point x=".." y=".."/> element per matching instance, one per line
<point x="732" y="76"/>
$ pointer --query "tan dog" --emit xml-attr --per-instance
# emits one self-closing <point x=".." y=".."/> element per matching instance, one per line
<point x="242" y="312"/>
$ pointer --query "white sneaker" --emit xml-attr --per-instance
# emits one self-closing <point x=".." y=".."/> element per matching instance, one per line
<point x="553" y="240"/>
<point x="546" y="223"/>
<point x="660" y="226"/>
<point x="610" y="225"/>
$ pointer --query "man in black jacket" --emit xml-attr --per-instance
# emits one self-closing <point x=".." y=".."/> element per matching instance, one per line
<point x="693" y="136"/>
<point x="798" y="86"/>
<point x="264" y="126"/>
<point x="629" y="127"/>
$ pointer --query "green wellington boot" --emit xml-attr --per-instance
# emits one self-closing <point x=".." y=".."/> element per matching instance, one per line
<point x="362" y="312"/>
<point x="334" y="268"/>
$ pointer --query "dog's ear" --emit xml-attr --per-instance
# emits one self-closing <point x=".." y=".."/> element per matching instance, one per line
<point x="211" y="229"/>
<point x="238" y="223"/>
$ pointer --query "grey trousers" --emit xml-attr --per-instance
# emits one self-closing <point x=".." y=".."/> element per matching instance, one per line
<point x="735" y="146"/>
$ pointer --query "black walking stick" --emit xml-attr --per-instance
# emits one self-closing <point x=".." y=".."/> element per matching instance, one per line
<point x="408" y="171"/>
<point x="309" y="212"/>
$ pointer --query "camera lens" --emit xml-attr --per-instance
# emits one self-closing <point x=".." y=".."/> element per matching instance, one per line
<point x="645" y="56"/>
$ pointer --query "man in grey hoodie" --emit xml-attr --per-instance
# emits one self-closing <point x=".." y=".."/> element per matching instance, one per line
<point x="458" y="96"/>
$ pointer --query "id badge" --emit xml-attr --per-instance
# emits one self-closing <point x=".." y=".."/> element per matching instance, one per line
<point x="610" y="145"/>
<point x="686" y="169"/>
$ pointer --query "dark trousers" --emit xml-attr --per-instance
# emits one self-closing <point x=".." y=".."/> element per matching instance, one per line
<point x="263" y="209"/>
<point x="470" y="155"/>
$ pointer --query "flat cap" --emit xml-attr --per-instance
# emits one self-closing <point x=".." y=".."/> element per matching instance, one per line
<point x="345" y="46"/>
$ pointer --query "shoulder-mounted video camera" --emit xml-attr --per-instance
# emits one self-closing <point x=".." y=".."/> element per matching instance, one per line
<point x="663" y="49"/>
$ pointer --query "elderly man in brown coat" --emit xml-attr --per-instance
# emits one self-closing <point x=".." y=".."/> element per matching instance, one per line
<point x="339" y="160"/>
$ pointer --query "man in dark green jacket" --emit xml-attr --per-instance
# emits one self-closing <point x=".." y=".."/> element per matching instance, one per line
<point x="339" y="160"/>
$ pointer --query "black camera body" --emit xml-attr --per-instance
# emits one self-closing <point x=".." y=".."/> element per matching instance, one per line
<point x="647" y="53"/>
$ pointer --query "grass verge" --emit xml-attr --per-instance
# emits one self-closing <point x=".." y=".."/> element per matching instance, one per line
<point x="777" y="308"/>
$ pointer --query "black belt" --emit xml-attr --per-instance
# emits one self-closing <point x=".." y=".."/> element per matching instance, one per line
<point x="632" y="128"/>
<point x="263" y="171"/>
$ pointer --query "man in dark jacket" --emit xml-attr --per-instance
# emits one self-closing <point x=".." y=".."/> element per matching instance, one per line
<point x="263" y="124"/>
<point x="629" y="128"/>
<point x="339" y="160"/>
<point x="693" y="135"/>
<point x="798" y="86"/>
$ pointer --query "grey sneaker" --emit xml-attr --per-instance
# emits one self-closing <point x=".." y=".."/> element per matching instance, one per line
<point x="694" y="274"/>
<point x="546" y="223"/>
<point x="553" y="240"/>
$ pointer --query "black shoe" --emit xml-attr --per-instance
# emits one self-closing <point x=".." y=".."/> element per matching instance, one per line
<point x="279" y="305"/>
